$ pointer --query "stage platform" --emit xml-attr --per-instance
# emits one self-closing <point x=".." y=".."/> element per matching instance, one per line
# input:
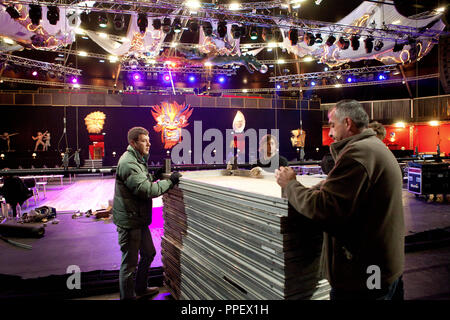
<point x="92" y="244"/>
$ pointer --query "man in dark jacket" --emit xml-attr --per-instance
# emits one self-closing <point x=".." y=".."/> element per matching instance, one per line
<point x="359" y="206"/>
<point x="132" y="213"/>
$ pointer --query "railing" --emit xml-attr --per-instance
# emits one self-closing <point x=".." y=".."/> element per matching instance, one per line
<point x="90" y="98"/>
<point x="407" y="110"/>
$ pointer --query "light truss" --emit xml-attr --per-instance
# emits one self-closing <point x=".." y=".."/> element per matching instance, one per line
<point x="209" y="12"/>
<point x="221" y="91"/>
<point x="156" y="67"/>
<point x="47" y="66"/>
<point x="333" y="73"/>
<point x="331" y="86"/>
<point x="52" y="83"/>
<point x="87" y="54"/>
<point x="92" y="87"/>
<point x="282" y="61"/>
<point x="228" y="72"/>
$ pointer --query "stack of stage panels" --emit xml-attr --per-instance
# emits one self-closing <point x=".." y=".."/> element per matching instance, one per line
<point x="235" y="237"/>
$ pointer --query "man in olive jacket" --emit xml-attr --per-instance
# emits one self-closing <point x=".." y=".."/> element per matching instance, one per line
<point x="359" y="206"/>
<point x="132" y="213"/>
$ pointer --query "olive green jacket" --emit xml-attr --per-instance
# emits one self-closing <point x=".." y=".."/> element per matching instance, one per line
<point x="134" y="191"/>
<point x="359" y="206"/>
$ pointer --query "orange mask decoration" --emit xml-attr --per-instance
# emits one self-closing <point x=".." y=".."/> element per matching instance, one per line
<point x="170" y="118"/>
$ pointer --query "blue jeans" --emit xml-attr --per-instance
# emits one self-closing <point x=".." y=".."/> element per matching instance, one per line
<point x="394" y="292"/>
<point x="134" y="242"/>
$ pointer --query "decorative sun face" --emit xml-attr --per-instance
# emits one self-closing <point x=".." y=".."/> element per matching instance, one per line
<point x="170" y="118"/>
<point x="94" y="121"/>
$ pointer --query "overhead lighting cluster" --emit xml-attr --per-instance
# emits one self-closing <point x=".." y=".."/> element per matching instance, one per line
<point x="35" y="13"/>
<point x="119" y="22"/>
<point x="142" y="22"/>
<point x="311" y="39"/>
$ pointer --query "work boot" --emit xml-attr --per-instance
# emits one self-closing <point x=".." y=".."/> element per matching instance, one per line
<point x="150" y="291"/>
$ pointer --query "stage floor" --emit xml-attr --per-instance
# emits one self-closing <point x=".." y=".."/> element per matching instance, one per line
<point x="86" y="242"/>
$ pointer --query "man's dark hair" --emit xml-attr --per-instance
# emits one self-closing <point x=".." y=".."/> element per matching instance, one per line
<point x="133" y="133"/>
<point x="379" y="129"/>
<point x="352" y="109"/>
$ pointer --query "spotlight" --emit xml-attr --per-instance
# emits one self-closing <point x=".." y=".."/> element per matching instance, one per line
<point x="133" y="63"/>
<point x="355" y="42"/>
<point x="398" y="47"/>
<point x="73" y="20"/>
<point x="191" y="79"/>
<point x="52" y="14"/>
<point x="176" y="25"/>
<point x="34" y="73"/>
<point x="343" y="43"/>
<point x="137" y="76"/>
<point x="74" y="80"/>
<point x="313" y="83"/>
<point x="267" y="35"/>
<point x="319" y="38"/>
<point x="278" y="86"/>
<point x="381" y="77"/>
<point x="193" y="26"/>
<point x="378" y="45"/>
<point x="221" y="79"/>
<point x="166" y="77"/>
<point x="207" y="28"/>
<point x="236" y="31"/>
<point x="349" y="80"/>
<point x="331" y="40"/>
<point x="293" y="36"/>
<point x="142" y="22"/>
<point x="253" y="33"/>
<point x="309" y="39"/>
<point x="13" y="12"/>
<point x="35" y="13"/>
<point x="368" y="44"/>
<point x="222" y="29"/>
<point x="85" y="17"/>
<point x="156" y="23"/>
<point x="102" y="20"/>
<point x="119" y="22"/>
<point x="166" y="25"/>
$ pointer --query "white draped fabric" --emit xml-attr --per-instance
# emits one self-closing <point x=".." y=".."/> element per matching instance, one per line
<point x="363" y="16"/>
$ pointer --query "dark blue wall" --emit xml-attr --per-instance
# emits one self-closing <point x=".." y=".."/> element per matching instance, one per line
<point x="28" y="120"/>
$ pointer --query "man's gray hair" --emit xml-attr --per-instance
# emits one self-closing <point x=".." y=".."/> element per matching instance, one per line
<point x="352" y="109"/>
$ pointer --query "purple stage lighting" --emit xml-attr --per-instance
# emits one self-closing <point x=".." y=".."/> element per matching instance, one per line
<point x="221" y="79"/>
<point x="313" y="83"/>
<point x="35" y="73"/>
<point x="349" y="80"/>
<point x="136" y="77"/>
<point x="74" y="80"/>
<point x="191" y="79"/>
<point x="278" y="86"/>
<point x="166" y="78"/>
<point x="381" y="77"/>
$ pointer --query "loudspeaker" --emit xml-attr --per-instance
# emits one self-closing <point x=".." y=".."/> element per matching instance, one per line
<point x="444" y="62"/>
